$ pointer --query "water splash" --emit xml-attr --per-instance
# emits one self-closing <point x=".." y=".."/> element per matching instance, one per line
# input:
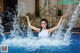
<point x="2" y="29"/>
<point x="17" y="32"/>
<point x="16" y="29"/>
<point x="60" y="38"/>
<point x="72" y="22"/>
<point x="59" y="33"/>
<point x="29" y="33"/>
<point x="66" y="35"/>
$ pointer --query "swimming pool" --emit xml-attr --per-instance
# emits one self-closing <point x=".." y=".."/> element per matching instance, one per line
<point x="74" y="47"/>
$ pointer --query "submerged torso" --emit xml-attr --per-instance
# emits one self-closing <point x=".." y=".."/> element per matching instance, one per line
<point x="43" y="34"/>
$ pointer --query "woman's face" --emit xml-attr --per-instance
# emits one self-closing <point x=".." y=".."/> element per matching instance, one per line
<point x="43" y="24"/>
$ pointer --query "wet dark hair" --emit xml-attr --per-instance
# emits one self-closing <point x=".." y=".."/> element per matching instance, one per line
<point x="46" y="22"/>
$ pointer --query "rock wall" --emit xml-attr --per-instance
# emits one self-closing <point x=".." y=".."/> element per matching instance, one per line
<point x="1" y="6"/>
<point x="48" y="11"/>
<point x="26" y="6"/>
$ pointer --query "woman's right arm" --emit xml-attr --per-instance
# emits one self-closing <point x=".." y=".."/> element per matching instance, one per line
<point x="32" y="27"/>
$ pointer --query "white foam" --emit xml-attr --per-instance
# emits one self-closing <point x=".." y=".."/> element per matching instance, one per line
<point x="34" y="43"/>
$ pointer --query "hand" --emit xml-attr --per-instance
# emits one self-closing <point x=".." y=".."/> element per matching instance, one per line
<point x="65" y="15"/>
<point x="26" y="16"/>
<point x="28" y="20"/>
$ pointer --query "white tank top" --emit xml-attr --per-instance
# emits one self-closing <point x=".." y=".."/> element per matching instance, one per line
<point x="43" y="34"/>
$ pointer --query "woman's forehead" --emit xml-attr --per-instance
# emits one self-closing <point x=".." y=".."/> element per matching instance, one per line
<point x="43" y="22"/>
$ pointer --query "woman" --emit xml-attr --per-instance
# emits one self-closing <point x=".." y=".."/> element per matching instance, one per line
<point x="44" y="32"/>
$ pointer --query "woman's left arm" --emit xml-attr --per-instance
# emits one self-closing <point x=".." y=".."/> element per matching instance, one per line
<point x="54" y="28"/>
